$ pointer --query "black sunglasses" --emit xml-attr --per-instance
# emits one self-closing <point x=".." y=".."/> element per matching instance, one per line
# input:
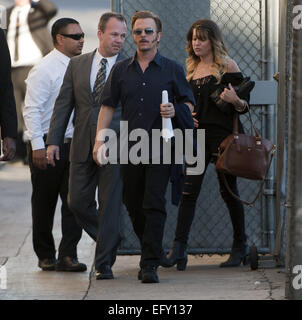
<point x="75" y="36"/>
<point x="138" y="32"/>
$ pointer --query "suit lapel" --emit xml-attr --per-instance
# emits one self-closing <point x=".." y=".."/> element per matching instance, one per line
<point x="87" y="73"/>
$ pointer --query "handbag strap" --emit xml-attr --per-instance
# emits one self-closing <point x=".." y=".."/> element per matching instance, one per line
<point x="236" y="120"/>
<point x="260" y="189"/>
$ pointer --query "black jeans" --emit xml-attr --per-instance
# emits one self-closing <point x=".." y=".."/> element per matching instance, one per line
<point x="47" y="186"/>
<point x="144" y="189"/>
<point x="192" y="187"/>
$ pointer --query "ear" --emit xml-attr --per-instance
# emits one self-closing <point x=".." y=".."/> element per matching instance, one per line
<point x="59" y="39"/>
<point x="99" y="34"/>
<point x="158" y="37"/>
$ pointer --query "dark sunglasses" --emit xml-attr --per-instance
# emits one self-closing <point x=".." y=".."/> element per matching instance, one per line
<point x="75" y="36"/>
<point x="138" y="32"/>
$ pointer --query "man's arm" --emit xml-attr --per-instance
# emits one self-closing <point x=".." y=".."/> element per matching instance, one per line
<point x="60" y="117"/>
<point x="8" y="115"/>
<point x="104" y="121"/>
<point x="185" y="101"/>
<point x="37" y="95"/>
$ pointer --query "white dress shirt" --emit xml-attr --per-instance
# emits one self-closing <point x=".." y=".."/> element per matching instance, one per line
<point x="43" y="86"/>
<point x="29" y="52"/>
<point x="96" y="63"/>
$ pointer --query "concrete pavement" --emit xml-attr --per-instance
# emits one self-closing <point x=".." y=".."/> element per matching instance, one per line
<point x="203" y="278"/>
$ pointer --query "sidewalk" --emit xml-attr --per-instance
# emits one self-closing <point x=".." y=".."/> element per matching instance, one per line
<point x="203" y="279"/>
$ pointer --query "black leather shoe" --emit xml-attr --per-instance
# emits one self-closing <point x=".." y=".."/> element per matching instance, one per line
<point x="104" y="272"/>
<point x="47" y="264"/>
<point x="149" y="274"/>
<point x="70" y="264"/>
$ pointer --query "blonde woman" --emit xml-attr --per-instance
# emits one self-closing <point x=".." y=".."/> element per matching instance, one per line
<point x="209" y="66"/>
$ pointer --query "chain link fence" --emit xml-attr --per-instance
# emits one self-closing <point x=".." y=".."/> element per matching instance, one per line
<point x="241" y="25"/>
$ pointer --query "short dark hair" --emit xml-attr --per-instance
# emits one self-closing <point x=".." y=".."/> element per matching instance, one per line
<point x="145" y="15"/>
<point x="59" y="26"/>
<point x="105" y="18"/>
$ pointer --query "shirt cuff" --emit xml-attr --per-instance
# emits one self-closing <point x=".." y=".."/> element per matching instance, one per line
<point x="37" y="143"/>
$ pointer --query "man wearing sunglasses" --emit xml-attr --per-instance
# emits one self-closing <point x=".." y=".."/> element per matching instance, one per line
<point x="48" y="183"/>
<point x="82" y="92"/>
<point x="138" y="82"/>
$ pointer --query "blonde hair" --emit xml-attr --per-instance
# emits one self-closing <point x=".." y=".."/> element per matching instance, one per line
<point x="207" y="29"/>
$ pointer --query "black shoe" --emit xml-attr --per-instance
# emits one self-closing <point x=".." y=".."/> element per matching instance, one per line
<point x="104" y="272"/>
<point x="238" y="255"/>
<point x="70" y="264"/>
<point x="178" y="256"/>
<point x="149" y="274"/>
<point x="47" y="264"/>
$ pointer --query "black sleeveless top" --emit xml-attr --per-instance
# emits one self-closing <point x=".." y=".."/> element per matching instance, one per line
<point x="208" y="114"/>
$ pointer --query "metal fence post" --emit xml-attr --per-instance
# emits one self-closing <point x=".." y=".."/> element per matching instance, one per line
<point x="296" y="105"/>
<point x="294" y="201"/>
<point x="269" y="61"/>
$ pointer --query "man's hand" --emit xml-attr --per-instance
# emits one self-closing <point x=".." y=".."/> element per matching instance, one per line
<point x="167" y="110"/>
<point x="8" y="148"/>
<point x="39" y="158"/>
<point x="96" y="147"/>
<point x="53" y="152"/>
<point x="196" y="124"/>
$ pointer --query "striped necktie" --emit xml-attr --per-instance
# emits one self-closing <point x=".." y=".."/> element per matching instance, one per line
<point x="16" y="58"/>
<point x="99" y="81"/>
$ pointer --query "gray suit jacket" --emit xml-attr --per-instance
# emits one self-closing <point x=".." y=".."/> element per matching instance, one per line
<point x="76" y="94"/>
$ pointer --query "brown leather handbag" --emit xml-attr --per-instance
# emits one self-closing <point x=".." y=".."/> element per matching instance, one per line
<point x="246" y="156"/>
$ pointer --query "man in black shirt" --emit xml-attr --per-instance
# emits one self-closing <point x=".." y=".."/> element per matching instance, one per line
<point x="138" y="83"/>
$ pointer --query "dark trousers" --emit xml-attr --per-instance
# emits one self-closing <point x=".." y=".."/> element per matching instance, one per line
<point x="102" y="224"/>
<point x="47" y="186"/>
<point x="144" y="189"/>
<point x="191" y="192"/>
<point x="19" y="75"/>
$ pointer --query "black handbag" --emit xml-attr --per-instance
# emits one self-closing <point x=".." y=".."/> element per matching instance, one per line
<point x="242" y="89"/>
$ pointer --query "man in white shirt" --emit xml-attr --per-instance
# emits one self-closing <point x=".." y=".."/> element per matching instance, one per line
<point x="28" y="40"/>
<point x="82" y="92"/>
<point x="43" y="86"/>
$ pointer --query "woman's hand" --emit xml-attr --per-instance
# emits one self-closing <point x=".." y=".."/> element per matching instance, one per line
<point x="230" y="96"/>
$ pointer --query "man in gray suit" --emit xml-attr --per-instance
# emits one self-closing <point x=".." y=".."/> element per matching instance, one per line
<point x="82" y="91"/>
<point x="29" y="41"/>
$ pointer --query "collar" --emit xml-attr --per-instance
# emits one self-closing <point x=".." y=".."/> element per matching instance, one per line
<point x="157" y="59"/>
<point x="24" y="9"/>
<point x="110" y="60"/>
<point x="61" y="56"/>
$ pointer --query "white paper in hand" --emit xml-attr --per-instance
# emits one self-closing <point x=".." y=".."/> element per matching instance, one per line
<point x="167" y="131"/>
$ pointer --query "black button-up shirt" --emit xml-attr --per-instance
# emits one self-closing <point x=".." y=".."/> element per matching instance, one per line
<point x="141" y="93"/>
